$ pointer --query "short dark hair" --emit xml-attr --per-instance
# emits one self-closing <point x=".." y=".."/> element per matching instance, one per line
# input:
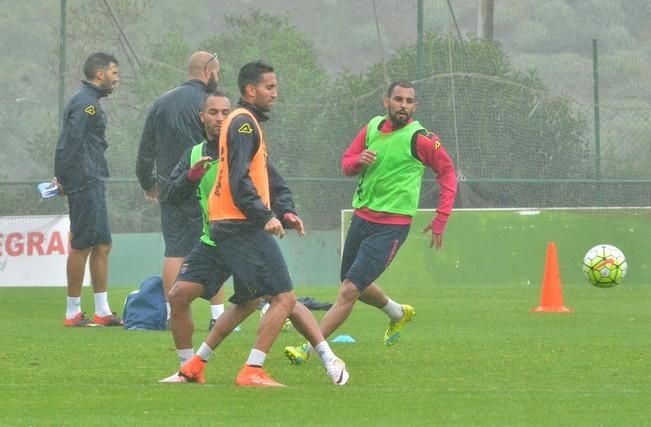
<point x="251" y="74"/>
<point x="97" y="61"/>
<point x="401" y="83"/>
<point x="214" y="93"/>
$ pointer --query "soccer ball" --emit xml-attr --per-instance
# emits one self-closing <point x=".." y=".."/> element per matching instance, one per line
<point x="287" y="325"/>
<point x="604" y="266"/>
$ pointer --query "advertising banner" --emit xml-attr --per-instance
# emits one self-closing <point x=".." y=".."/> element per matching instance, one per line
<point x="34" y="250"/>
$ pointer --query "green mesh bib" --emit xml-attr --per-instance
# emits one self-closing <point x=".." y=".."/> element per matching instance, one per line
<point x="204" y="189"/>
<point x="391" y="184"/>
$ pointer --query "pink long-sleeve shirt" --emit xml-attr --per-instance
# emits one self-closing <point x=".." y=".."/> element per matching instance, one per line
<point x="431" y="153"/>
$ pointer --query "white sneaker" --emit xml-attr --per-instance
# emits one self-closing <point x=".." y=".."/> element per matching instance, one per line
<point x="175" y="378"/>
<point x="337" y="372"/>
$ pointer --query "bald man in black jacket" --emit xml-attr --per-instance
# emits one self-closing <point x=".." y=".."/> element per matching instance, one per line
<point x="171" y="127"/>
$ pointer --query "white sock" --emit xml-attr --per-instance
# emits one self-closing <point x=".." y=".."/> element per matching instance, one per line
<point x="101" y="304"/>
<point x="256" y="358"/>
<point x="204" y="351"/>
<point x="184" y="354"/>
<point x="73" y="307"/>
<point x="216" y="310"/>
<point x="325" y="352"/>
<point x="393" y="310"/>
<point x="169" y="309"/>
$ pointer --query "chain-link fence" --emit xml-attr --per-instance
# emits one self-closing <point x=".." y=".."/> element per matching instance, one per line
<point x="516" y="113"/>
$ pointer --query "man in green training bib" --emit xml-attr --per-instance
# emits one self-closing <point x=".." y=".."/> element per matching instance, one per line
<point x="389" y="155"/>
<point x="201" y="275"/>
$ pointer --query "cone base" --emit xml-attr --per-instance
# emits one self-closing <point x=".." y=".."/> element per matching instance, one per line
<point x="548" y="309"/>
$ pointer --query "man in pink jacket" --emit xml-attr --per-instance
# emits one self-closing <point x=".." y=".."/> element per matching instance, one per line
<point x="389" y="155"/>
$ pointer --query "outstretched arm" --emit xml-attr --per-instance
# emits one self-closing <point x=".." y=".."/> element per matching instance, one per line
<point x="430" y="151"/>
<point x="185" y="178"/>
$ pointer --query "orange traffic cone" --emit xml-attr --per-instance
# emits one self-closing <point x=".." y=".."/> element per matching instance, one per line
<point x="551" y="297"/>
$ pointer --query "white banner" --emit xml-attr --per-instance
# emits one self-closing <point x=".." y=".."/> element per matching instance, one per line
<point x="34" y="250"/>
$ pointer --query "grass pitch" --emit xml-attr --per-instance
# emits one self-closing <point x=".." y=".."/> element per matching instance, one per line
<point x="473" y="355"/>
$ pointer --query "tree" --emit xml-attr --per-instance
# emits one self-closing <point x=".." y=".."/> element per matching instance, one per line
<point x="498" y="123"/>
<point x="303" y="82"/>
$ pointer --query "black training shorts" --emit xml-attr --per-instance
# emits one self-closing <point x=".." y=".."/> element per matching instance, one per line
<point x="204" y="267"/>
<point x="89" y="223"/>
<point x="257" y="264"/>
<point x="369" y="249"/>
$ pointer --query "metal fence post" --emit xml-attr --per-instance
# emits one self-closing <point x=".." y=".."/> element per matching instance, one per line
<point x="597" y="138"/>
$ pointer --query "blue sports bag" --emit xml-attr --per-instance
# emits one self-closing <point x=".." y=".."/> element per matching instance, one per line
<point x="145" y="309"/>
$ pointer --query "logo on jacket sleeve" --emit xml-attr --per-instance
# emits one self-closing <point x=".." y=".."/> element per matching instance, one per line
<point x="435" y="140"/>
<point x="90" y="110"/>
<point x="245" y="128"/>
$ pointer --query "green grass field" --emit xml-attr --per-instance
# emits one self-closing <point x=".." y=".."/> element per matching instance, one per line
<point x="474" y="355"/>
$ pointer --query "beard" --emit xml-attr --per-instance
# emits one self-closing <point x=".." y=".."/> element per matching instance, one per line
<point x="211" y="86"/>
<point x="106" y="86"/>
<point x="212" y="134"/>
<point x="264" y="108"/>
<point x="399" y="120"/>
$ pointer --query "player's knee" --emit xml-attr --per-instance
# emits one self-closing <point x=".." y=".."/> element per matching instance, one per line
<point x="348" y="291"/>
<point x="181" y="295"/>
<point x="174" y="296"/>
<point x="101" y="250"/>
<point x="286" y="299"/>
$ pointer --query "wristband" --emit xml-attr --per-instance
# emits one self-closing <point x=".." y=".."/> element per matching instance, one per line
<point x="195" y="174"/>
